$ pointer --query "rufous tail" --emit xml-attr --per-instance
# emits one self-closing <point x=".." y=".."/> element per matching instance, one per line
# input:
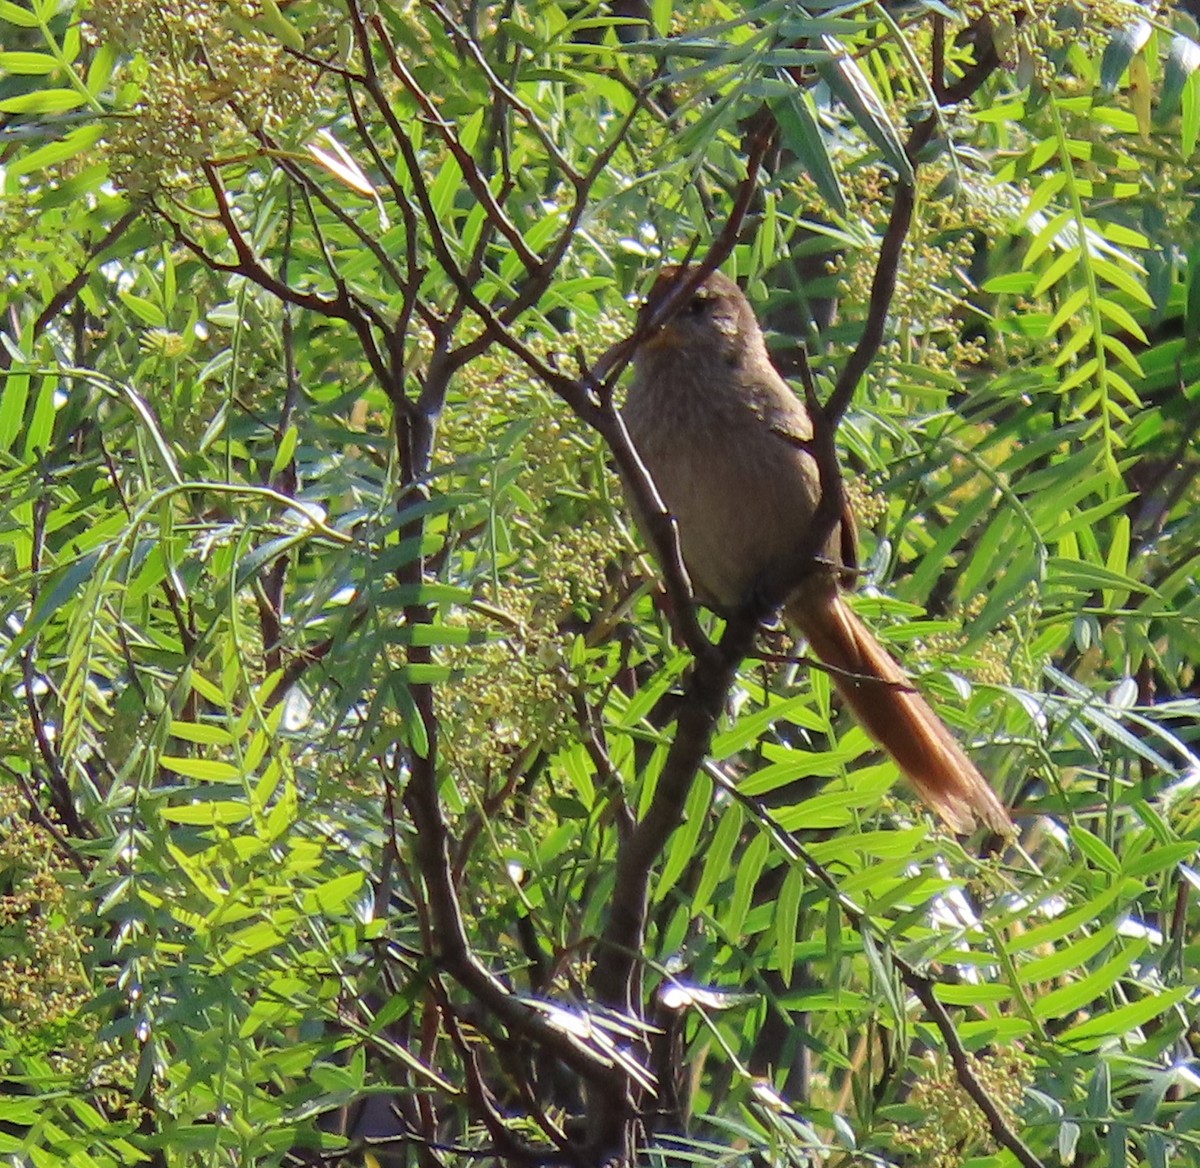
<point x="897" y="717"/>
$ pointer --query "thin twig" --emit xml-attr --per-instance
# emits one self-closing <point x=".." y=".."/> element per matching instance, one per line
<point x="74" y="286"/>
<point x="470" y="171"/>
<point x="44" y="821"/>
<point x="503" y="93"/>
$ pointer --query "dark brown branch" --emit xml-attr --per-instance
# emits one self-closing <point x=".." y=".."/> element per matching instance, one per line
<point x="274" y="576"/>
<point x="986" y="63"/>
<point x="1002" y="1132"/>
<point x="307" y="184"/>
<point x="45" y="822"/>
<point x="470" y="171"/>
<point x="508" y="1144"/>
<point x="430" y="844"/>
<point x="533" y="288"/>
<point x="57" y="785"/>
<point x="613" y="363"/>
<point x="74" y="286"/>
<point x="502" y="93"/>
<point x="410" y="302"/>
<point x="883" y="288"/>
<point x="704" y="699"/>
<point x="494" y="329"/>
<point x="342" y="307"/>
<point x="384" y="108"/>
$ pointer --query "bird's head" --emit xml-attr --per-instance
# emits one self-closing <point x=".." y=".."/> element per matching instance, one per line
<point x="714" y="322"/>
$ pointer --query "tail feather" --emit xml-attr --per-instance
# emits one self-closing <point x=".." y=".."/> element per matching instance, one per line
<point x="896" y="716"/>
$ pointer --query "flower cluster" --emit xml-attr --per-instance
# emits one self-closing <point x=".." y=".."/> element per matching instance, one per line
<point x="952" y="1128"/>
<point x="204" y="76"/>
<point x="42" y="980"/>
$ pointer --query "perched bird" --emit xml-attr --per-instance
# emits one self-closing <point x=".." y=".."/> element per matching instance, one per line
<point x="723" y="437"/>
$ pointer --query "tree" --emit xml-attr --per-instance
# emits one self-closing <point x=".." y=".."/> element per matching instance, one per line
<point x="365" y="800"/>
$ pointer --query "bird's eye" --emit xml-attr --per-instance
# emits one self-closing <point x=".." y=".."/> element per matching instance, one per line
<point x="697" y="305"/>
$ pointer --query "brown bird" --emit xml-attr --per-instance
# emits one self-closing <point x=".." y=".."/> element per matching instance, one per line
<point x="722" y="435"/>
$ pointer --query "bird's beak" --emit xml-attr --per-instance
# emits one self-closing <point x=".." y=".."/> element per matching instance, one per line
<point x="609" y="358"/>
<point x="665" y="337"/>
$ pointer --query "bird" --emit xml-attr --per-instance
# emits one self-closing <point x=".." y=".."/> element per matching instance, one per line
<point x="725" y="440"/>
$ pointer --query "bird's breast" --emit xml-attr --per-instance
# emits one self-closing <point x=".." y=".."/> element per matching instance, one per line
<point x="742" y="493"/>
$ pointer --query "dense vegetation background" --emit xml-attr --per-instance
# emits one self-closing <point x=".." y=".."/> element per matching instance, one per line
<point x="358" y="800"/>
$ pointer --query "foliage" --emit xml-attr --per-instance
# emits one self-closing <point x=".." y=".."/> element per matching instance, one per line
<point x="336" y="685"/>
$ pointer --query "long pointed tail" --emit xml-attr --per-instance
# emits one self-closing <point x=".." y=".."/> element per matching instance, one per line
<point x="896" y="716"/>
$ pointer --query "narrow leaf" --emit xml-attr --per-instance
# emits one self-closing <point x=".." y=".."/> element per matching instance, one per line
<point x="850" y="85"/>
<point x="801" y="132"/>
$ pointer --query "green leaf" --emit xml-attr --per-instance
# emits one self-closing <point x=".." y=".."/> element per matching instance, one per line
<point x="437" y="634"/>
<point x="882" y="976"/>
<point x="1119" y="1023"/>
<point x="1156" y="1150"/>
<point x="205" y="733"/>
<point x="684" y="843"/>
<point x="836" y="808"/>
<point x="204" y="769"/>
<point x="751" y="727"/>
<point x="717" y="862"/>
<point x="1067" y="262"/>
<point x="1122" y="318"/>
<point x="1121" y="234"/>
<point x="213" y="813"/>
<point x="1117" y="560"/>
<point x="1011" y="284"/>
<point x="1068" y="1140"/>
<point x="1070" y="306"/>
<point x="745" y="880"/>
<point x="801" y="133"/>
<point x="787" y="917"/>
<point x="1066" y="573"/>
<point x="333" y="895"/>
<point x="1064" y="1001"/>
<point x="972" y="995"/>
<point x="1095" y="849"/>
<point x="422" y="673"/>
<point x="1047" y="235"/>
<point x="145" y="310"/>
<point x="850" y="85"/>
<point x="40" y="432"/>
<point x="44" y="101"/>
<point x="1160" y="859"/>
<point x="1119" y="52"/>
<point x="1182" y="62"/>
<point x="1060" y="960"/>
<point x="286" y="450"/>
<point x="1120" y="278"/>
<point x="1090" y="912"/>
<point x="256" y="938"/>
<point x="15" y="14"/>
<point x="280" y="27"/>
<point x="77" y="142"/>
<point x="14" y="393"/>
<point x="27" y="64"/>
<point x="100" y="69"/>
<point x="933" y="560"/>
